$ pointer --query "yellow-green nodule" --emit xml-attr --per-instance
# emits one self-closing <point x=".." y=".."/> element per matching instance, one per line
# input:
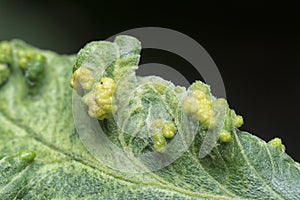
<point x="27" y="155"/>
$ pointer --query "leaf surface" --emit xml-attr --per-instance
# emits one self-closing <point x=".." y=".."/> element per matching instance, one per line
<point x="42" y="121"/>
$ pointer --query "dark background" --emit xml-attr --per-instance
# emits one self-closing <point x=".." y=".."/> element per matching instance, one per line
<point x="255" y="46"/>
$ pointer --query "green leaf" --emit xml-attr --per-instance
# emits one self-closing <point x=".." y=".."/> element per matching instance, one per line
<point x="42" y="122"/>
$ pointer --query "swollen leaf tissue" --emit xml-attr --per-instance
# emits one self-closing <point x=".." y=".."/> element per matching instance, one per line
<point x="42" y="157"/>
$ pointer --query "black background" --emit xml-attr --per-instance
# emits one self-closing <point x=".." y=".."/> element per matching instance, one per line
<point x="255" y="46"/>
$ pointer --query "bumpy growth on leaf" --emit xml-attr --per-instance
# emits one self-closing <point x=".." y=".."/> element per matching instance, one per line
<point x="5" y="52"/>
<point x="225" y="136"/>
<point x="27" y="155"/>
<point x="244" y="168"/>
<point x="5" y="60"/>
<point x="32" y="62"/>
<point x="4" y="73"/>
<point x="201" y="105"/>
<point x="161" y="131"/>
<point x="22" y="55"/>
<point x="99" y="100"/>
<point x="168" y="130"/>
<point x="84" y="77"/>
<point x="277" y="143"/>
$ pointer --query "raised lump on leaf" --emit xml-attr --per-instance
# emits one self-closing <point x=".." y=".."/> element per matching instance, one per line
<point x="4" y="73"/>
<point x="84" y="77"/>
<point x="277" y="143"/>
<point x="99" y="99"/>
